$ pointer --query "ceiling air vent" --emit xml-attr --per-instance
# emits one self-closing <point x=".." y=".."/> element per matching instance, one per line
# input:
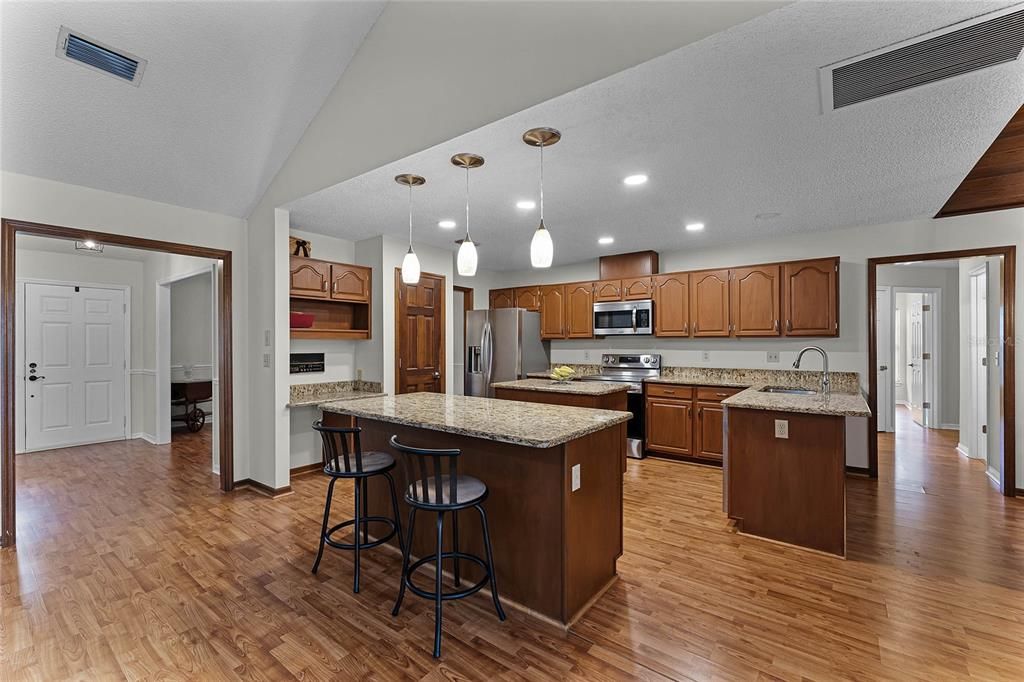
<point x="77" y="47"/>
<point x="953" y="51"/>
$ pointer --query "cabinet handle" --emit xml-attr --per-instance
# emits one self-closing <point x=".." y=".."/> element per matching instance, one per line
<point x="323" y="285"/>
<point x="721" y="395"/>
<point x="776" y="325"/>
<point x="686" y="327"/>
<point x="789" y="325"/>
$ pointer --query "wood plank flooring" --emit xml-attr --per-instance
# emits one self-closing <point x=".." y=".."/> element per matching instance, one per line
<point x="131" y="565"/>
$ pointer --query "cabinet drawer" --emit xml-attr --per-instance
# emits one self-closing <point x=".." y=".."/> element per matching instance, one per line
<point x="670" y="391"/>
<point x="716" y="394"/>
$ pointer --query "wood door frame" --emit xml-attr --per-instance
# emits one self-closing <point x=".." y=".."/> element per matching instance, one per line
<point x="467" y="304"/>
<point x="444" y="335"/>
<point x="1009" y="254"/>
<point x="9" y="229"/>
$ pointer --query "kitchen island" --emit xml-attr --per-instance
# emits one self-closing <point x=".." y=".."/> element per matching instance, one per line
<point x="605" y="395"/>
<point x="555" y="548"/>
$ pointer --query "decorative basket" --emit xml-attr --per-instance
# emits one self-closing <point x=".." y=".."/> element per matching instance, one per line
<point x="300" y="247"/>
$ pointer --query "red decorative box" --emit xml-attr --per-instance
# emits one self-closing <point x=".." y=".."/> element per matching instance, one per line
<point x="301" y="320"/>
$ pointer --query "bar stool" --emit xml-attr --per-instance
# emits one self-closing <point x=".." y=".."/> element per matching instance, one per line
<point x="358" y="466"/>
<point x="433" y="484"/>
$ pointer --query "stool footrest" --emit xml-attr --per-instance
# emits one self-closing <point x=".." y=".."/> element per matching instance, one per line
<point x="362" y="545"/>
<point x="459" y="594"/>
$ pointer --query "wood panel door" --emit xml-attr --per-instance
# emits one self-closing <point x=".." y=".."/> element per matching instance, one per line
<point x="579" y="310"/>
<point x="552" y="312"/>
<point x="710" y="434"/>
<point x="709" y="302"/>
<point x="810" y="294"/>
<point x="350" y="283"/>
<point x="419" y="334"/>
<point x="501" y="298"/>
<point x="607" y="290"/>
<point x="670" y="426"/>
<point x="636" y="288"/>
<point x="528" y="298"/>
<point x="754" y="299"/>
<point x="308" y="278"/>
<point x="671" y="294"/>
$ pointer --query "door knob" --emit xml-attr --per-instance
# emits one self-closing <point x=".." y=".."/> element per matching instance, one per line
<point x="35" y="378"/>
<point x="437" y="375"/>
<point x="883" y="368"/>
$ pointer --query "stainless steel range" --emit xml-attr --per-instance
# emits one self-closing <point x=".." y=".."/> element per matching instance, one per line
<point x="633" y="370"/>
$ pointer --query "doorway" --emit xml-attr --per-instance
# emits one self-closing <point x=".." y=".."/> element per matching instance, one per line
<point x="462" y="303"/>
<point x="419" y="334"/>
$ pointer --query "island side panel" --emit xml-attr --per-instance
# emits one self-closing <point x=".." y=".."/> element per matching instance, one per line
<point x="523" y="510"/>
<point x="788" y="489"/>
<point x="593" y="516"/>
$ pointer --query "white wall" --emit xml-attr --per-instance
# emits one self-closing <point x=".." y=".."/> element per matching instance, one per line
<point x="192" y="321"/>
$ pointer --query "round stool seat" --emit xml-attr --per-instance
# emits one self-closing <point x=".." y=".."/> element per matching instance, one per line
<point x="468" y="491"/>
<point x="373" y="462"/>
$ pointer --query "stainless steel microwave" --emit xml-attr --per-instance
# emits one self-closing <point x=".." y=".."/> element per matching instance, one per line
<point x="624" y="317"/>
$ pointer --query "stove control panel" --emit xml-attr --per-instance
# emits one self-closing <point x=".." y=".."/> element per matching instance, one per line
<point x="652" y="361"/>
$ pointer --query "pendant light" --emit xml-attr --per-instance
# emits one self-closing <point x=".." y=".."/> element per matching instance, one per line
<point x="410" y="264"/>
<point x="542" y="249"/>
<point x="466" y="260"/>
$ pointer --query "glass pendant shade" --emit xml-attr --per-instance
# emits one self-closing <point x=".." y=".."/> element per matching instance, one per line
<point x="466" y="260"/>
<point x="542" y="249"/>
<point x="410" y="268"/>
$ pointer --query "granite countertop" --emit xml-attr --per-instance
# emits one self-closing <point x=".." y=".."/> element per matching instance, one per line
<point x="336" y="396"/>
<point x="301" y="395"/>
<point x="509" y="421"/>
<point x="836" y="404"/>
<point x="575" y="387"/>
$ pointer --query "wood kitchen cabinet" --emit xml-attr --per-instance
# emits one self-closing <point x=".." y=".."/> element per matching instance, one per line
<point x="502" y="298"/>
<point x="350" y="283"/>
<point x="337" y="295"/>
<point x="754" y="300"/>
<point x="528" y="298"/>
<point x="636" y="288"/>
<point x="671" y="294"/>
<point x="669" y="419"/>
<point x="709" y="422"/>
<point x="709" y="302"/>
<point x="308" y="278"/>
<point x="810" y="297"/>
<point x="579" y="310"/>
<point x="607" y="290"/>
<point x="552" y="311"/>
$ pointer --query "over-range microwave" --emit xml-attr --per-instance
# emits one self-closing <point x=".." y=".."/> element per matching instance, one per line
<point x="624" y="317"/>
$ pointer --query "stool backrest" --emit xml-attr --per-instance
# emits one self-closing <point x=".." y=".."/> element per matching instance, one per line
<point x="336" y="443"/>
<point x="425" y="469"/>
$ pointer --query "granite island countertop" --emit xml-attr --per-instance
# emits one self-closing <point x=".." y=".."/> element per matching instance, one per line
<point x="519" y="423"/>
<point x="574" y="387"/>
<point x="835" y="404"/>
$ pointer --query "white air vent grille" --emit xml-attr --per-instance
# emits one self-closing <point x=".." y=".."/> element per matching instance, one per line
<point x="91" y="53"/>
<point x="963" y="49"/>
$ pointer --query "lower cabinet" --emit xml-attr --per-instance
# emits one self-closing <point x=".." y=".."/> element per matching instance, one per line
<point x="669" y="426"/>
<point x="686" y="421"/>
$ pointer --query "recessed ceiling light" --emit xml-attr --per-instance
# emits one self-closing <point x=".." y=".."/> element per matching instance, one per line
<point x="635" y="179"/>
<point x="606" y="240"/>
<point x="526" y="204"/>
<point x="446" y="224"/>
<point x="694" y="227"/>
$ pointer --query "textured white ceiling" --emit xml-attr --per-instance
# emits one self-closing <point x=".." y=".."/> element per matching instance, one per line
<point x="727" y="128"/>
<point x="228" y="91"/>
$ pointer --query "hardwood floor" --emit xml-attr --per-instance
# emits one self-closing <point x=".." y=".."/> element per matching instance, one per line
<point x="131" y="564"/>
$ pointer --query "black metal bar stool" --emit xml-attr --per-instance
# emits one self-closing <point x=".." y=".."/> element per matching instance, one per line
<point x="358" y="466"/>
<point x="433" y="484"/>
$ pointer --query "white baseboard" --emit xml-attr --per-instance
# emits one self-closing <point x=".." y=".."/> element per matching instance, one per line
<point x="992" y="474"/>
<point x="954" y="427"/>
<point x="146" y="437"/>
<point x="904" y="403"/>
<point x="962" y="449"/>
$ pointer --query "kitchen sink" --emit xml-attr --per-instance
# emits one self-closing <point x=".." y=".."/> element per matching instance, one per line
<point x="790" y="390"/>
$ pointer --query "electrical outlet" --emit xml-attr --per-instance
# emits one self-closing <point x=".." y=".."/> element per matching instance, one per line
<point x="575" y="477"/>
<point x="773" y="356"/>
<point x="359" y="375"/>
<point x="586" y="356"/>
<point x="781" y="428"/>
<point x="266" y="359"/>
<point x="705" y="356"/>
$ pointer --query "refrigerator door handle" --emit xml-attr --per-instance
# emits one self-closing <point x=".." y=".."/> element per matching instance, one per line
<point x="487" y="348"/>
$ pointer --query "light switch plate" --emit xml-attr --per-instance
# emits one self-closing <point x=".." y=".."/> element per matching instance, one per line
<point x="266" y="359"/>
<point x="773" y="356"/>
<point x="575" y="477"/>
<point x="781" y="428"/>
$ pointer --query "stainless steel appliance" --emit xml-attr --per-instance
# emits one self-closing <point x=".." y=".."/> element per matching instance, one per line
<point x="633" y="370"/>
<point x="624" y="317"/>
<point x="502" y="345"/>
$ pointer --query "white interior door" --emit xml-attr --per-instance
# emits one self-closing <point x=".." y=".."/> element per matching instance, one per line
<point x="915" y="355"/>
<point x="883" y="321"/>
<point x="74" y="365"/>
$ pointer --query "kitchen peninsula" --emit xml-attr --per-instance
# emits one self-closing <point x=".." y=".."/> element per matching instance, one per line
<point x="555" y="543"/>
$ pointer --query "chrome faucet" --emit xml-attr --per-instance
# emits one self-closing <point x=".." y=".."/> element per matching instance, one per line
<point x="825" y="390"/>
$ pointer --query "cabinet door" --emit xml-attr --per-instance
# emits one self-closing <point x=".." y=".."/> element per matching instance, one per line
<point x="528" y="297"/>
<point x="552" y="312"/>
<point x="709" y="302"/>
<point x="308" y="278"/>
<point x="608" y="290"/>
<point x="636" y="289"/>
<point x="671" y="294"/>
<point x="670" y="426"/>
<point x="710" y="433"/>
<point x="811" y="298"/>
<point x="350" y="283"/>
<point x="755" y="300"/>
<point x="579" y="310"/>
<point x="502" y="298"/>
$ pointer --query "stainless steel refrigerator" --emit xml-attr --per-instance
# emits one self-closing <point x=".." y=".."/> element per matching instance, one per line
<point x="502" y="345"/>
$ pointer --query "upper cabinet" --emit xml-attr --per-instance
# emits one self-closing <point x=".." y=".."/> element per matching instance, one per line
<point x="552" y="312"/>
<point x="671" y="294"/>
<point x="333" y="299"/>
<point x="811" y="297"/>
<point x="579" y="310"/>
<point x="528" y="298"/>
<point x="607" y="290"/>
<point x="754" y="300"/>
<point x="350" y="283"/>
<point x="308" y="278"/>
<point x="709" y="302"/>
<point x="636" y="288"/>
<point x="502" y="298"/>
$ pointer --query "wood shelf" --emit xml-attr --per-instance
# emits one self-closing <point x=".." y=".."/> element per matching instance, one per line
<point x="333" y="319"/>
<point x="315" y="333"/>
